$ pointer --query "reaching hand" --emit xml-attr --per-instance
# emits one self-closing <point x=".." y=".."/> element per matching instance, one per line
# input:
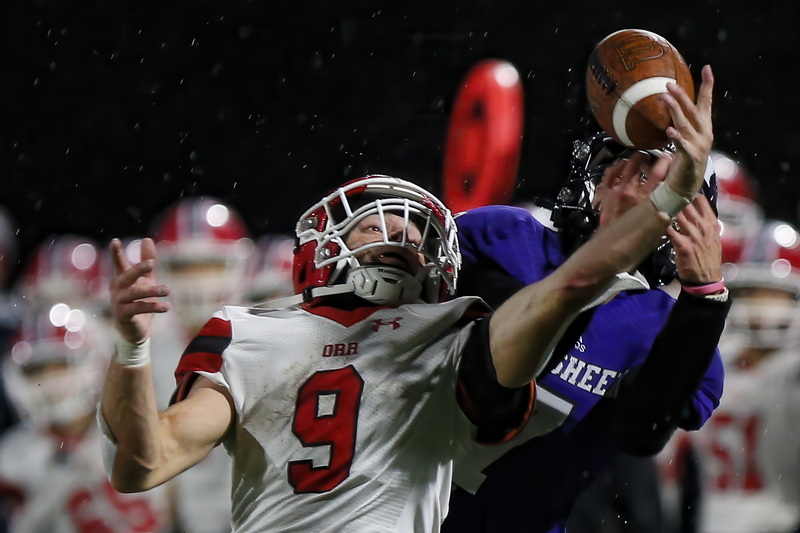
<point x="692" y="133"/>
<point x="698" y="249"/>
<point x="135" y="293"/>
<point x="626" y="184"/>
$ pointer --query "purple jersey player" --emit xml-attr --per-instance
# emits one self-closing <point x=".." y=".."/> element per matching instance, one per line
<point x="644" y="364"/>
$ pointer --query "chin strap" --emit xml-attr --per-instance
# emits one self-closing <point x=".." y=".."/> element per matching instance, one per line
<point x="308" y="295"/>
<point x="378" y="284"/>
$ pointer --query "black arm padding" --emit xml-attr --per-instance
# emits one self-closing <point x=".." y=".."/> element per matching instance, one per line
<point x="652" y="400"/>
<point x="493" y="408"/>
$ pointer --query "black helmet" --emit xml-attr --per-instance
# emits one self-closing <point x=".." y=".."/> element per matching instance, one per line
<point x="574" y="216"/>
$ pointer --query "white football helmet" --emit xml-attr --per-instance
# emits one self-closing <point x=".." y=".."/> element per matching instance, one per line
<point x="203" y="246"/>
<point x="765" y="286"/>
<point x="325" y="265"/>
<point x="54" y="372"/>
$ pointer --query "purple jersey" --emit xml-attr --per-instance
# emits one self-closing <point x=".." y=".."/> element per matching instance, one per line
<point x="534" y="486"/>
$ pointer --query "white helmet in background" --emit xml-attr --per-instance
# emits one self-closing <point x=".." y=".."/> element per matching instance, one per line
<point x="765" y="286"/>
<point x="55" y="369"/>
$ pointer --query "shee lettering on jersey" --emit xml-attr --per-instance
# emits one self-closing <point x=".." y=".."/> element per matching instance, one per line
<point x="348" y="416"/>
<point x="573" y="413"/>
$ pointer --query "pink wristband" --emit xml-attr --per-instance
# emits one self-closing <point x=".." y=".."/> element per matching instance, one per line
<point x="702" y="290"/>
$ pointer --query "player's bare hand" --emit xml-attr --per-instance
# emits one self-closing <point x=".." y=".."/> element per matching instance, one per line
<point x="135" y="294"/>
<point x="627" y="183"/>
<point x="698" y="249"/>
<point x="692" y="132"/>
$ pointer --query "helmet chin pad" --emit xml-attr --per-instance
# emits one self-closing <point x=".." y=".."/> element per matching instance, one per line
<point x="382" y="284"/>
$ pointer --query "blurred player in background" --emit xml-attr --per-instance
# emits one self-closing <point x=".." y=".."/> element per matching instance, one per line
<point x="269" y="270"/>
<point x="51" y="471"/>
<point x="748" y="451"/>
<point x="9" y="317"/>
<point x="9" y="307"/>
<point x="625" y="380"/>
<point x="64" y="268"/>
<point x="204" y="248"/>
<point x="740" y="215"/>
<point x="741" y="220"/>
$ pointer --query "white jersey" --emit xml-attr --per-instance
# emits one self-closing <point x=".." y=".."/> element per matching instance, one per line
<point x="200" y="496"/>
<point x="63" y="488"/>
<point x="749" y="451"/>
<point x="345" y="422"/>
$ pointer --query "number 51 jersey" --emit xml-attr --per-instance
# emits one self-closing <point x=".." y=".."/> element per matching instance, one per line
<point x="345" y="421"/>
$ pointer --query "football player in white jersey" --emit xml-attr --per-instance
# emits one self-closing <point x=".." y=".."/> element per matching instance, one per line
<point x="748" y="450"/>
<point x="345" y="410"/>
<point x="203" y="245"/>
<point x="51" y="471"/>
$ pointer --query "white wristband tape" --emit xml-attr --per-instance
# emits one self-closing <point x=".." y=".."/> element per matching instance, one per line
<point x="130" y="354"/>
<point x="668" y="201"/>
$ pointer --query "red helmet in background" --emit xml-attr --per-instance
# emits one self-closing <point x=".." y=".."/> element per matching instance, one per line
<point x="766" y="288"/>
<point x="740" y="216"/>
<point x="732" y="178"/>
<point x="64" y="268"/>
<point x="203" y="246"/>
<point x="55" y="369"/>
<point x="323" y="259"/>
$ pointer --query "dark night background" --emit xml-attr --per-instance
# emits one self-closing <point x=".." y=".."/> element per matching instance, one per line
<point x="112" y="110"/>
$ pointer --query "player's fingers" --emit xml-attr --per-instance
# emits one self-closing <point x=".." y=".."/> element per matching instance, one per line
<point x="140" y="292"/>
<point x="629" y="172"/>
<point x="679" y="241"/>
<point x="705" y="94"/>
<point x="686" y="217"/>
<point x="659" y="170"/>
<point x="129" y="310"/>
<point x="149" y="253"/>
<point x="703" y="206"/>
<point x="148" y="249"/>
<point x="118" y="259"/>
<point x="680" y="107"/>
<point x="129" y="276"/>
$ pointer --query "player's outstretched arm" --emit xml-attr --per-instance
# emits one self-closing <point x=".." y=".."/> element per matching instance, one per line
<point x="680" y="382"/>
<point x="526" y="327"/>
<point x="151" y="447"/>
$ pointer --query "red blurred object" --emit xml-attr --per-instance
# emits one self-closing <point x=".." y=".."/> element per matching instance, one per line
<point x="732" y="178"/>
<point x="484" y="138"/>
<point x="740" y="216"/>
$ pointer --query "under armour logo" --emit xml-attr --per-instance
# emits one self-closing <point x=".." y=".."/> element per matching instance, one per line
<point x="395" y="323"/>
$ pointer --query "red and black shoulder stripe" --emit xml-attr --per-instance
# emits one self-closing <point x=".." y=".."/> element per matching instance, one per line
<point x="203" y="354"/>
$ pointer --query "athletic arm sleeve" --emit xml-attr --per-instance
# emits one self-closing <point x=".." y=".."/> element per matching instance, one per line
<point x="652" y="402"/>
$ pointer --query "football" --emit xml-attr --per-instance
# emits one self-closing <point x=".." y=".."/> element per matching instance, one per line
<point x="627" y="74"/>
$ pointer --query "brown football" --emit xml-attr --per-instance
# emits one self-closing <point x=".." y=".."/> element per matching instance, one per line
<point x="628" y="71"/>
